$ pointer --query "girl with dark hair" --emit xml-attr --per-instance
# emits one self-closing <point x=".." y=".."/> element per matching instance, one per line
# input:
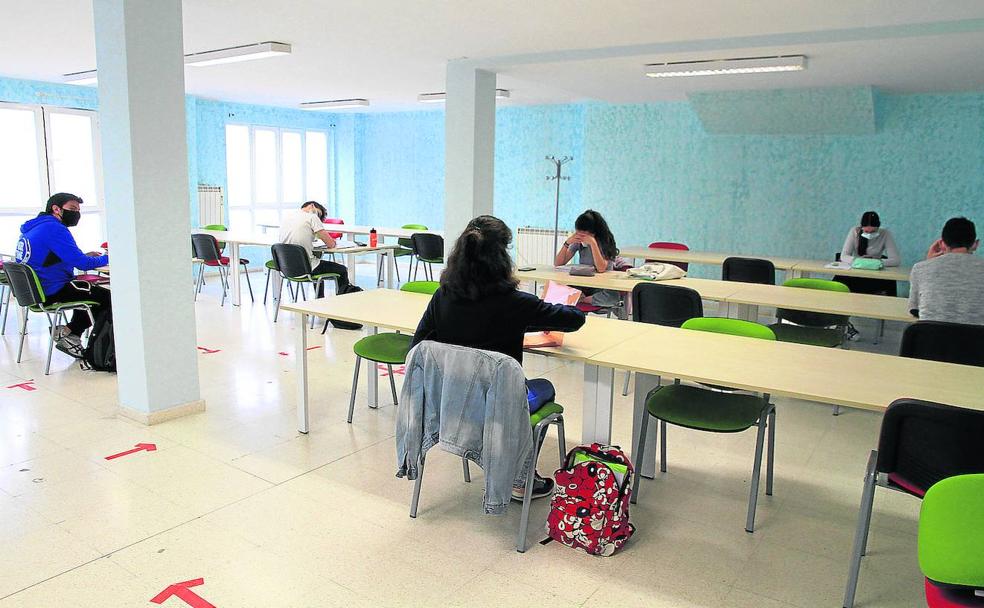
<point x="869" y="240"/>
<point x="594" y="245"/>
<point x="478" y="306"/>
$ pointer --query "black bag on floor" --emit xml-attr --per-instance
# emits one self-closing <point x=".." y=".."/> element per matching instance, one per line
<point x="100" y="352"/>
<point x="344" y="324"/>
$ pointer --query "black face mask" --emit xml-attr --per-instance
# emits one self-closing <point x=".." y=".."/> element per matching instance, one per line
<point x="70" y="218"/>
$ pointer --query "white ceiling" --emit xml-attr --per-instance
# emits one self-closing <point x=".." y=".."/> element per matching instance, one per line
<point x="546" y="51"/>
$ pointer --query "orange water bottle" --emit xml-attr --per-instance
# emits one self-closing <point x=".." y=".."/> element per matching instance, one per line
<point x="373" y="238"/>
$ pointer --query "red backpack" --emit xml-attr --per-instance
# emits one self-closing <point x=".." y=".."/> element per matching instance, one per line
<point x="590" y="505"/>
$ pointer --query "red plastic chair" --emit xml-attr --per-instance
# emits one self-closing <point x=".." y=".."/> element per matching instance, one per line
<point x="335" y="221"/>
<point x="668" y="245"/>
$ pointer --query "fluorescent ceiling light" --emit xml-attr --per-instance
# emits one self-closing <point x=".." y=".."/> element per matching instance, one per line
<point x="246" y="52"/>
<point x="714" y="67"/>
<point x="81" y="78"/>
<point x="334" y="104"/>
<point x="442" y="97"/>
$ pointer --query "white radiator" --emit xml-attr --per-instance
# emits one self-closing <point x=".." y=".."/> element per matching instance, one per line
<point x="535" y="246"/>
<point x="209" y="205"/>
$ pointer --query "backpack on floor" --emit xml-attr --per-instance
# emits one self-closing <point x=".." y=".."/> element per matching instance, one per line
<point x="344" y="324"/>
<point x="100" y="353"/>
<point x="590" y="505"/>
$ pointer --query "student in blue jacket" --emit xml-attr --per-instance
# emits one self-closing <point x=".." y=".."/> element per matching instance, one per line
<point x="47" y="246"/>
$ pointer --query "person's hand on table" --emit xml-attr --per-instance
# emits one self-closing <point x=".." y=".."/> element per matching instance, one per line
<point x="95" y="254"/>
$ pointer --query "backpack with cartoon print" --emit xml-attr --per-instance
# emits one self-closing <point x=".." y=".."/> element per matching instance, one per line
<point x="590" y="505"/>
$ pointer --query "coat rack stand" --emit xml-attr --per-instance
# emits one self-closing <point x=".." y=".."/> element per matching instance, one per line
<point x="559" y="163"/>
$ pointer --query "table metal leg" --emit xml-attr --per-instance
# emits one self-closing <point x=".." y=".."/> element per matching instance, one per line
<point x="390" y="269"/>
<point x="372" y="376"/>
<point x="599" y="383"/>
<point x="234" y="262"/>
<point x="303" y="419"/>
<point x="350" y="262"/>
<point x="643" y="384"/>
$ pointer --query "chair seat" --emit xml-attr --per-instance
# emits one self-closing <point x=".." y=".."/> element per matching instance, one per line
<point x="314" y="277"/>
<point x="244" y="261"/>
<point x="269" y="264"/>
<point x="222" y="261"/>
<point x="432" y="260"/>
<point x="545" y="410"/>
<point x="813" y="336"/>
<point x="399" y="253"/>
<point x="63" y="305"/>
<point x="704" y="410"/>
<point x="388" y="348"/>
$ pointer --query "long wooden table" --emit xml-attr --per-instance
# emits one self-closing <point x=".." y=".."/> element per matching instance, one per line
<point x="840" y="377"/>
<point x="747" y="296"/>
<point x="795" y="267"/>
<point x="382" y="231"/>
<point x="235" y="239"/>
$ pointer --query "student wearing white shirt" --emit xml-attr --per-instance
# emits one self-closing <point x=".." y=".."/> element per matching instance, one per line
<point x="301" y="227"/>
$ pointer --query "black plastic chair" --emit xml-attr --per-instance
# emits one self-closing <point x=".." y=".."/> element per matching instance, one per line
<point x="749" y="270"/>
<point x="947" y="342"/>
<point x="662" y="305"/>
<point x="205" y="247"/>
<point x="920" y="443"/>
<point x="26" y="288"/>
<point x="295" y="266"/>
<point x="429" y="249"/>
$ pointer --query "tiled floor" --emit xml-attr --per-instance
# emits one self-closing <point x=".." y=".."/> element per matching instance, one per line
<point x="271" y="518"/>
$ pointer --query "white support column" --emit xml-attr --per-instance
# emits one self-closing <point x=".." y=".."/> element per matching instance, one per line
<point x="139" y="55"/>
<point x="469" y="147"/>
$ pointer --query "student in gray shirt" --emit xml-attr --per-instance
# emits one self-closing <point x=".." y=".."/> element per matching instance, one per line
<point x="949" y="284"/>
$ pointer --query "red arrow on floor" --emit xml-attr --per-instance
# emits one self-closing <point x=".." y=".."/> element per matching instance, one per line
<point x="209" y="351"/>
<point x="183" y="593"/>
<point x="150" y="447"/>
<point x="27" y="386"/>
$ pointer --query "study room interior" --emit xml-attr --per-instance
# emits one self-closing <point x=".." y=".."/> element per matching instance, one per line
<point x="492" y="304"/>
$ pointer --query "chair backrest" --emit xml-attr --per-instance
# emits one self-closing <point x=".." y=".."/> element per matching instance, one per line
<point x="427" y="287"/>
<point x="291" y="260"/>
<point x="749" y="270"/>
<point x="428" y="246"/>
<point x="922" y="442"/>
<point x="732" y="327"/>
<point x="813" y="319"/>
<point x="24" y="284"/>
<point x="670" y="245"/>
<point x="947" y="342"/>
<point x="335" y="222"/>
<point x="408" y="243"/>
<point x="205" y="247"/>
<point x="951" y="537"/>
<point x="665" y="304"/>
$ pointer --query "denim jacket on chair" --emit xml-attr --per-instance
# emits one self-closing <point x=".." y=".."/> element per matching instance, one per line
<point x="473" y="404"/>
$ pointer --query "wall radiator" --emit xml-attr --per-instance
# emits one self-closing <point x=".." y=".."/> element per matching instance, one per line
<point x="210" y="209"/>
<point x="534" y="246"/>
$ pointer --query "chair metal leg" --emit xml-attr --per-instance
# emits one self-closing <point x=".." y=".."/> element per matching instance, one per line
<point x="881" y="331"/>
<point x="641" y="442"/>
<point x="266" y="287"/>
<point x="52" y="324"/>
<point x="625" y="387"/>
<point x="416" y="487"/>
<point x="224" y="283"/>
<point x="355" y="385"/>
<point x="200" y="281"/>
<point x="771" y="457"/>
<point x="662" y="446"/>
<point x="280" y="296"/>
<point x="524" y="518"/>
<point x="389" y="368"/>
<point x="861" y="534"/>
<point x="248" y="284"/>
<point x="464" y="469"/>
<point x="756" y="473"/>
<point x="837" y="410"/>
<point x="415" y="265"/>
<point x="23" y="333"/>
<point x="396" y="267"/>
<point x="561" y="440"/>
<point x="6" y="311"/>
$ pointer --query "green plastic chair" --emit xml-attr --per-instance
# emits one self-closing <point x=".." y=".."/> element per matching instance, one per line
<point x="23" y="282"/>
<point x="951" y="541"/>
<point x="811" y="328"/>
<point x="405" y="249"/>
<point x="295" y="267"/>
<point x="715" y="410"/>
<point x="388" y="348"/>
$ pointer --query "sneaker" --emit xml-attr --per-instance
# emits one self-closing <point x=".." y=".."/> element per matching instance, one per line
<point x="60" y="332"/>
<point x="542" y="486"/>
<point x="71" y="345"/>
<point x="852" y="333"/>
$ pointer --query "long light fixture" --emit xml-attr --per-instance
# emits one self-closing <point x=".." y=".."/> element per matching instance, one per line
<point x="334" y="104"/>
<point x="442" y="97"/>
<point x="714" y="67"/>
<point x="233" y="54"/>
<point x="245" y="52"/>
<point x="80" y="78"/>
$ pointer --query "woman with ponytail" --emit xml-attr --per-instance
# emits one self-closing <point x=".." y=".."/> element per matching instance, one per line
<point x="479" y="306"/>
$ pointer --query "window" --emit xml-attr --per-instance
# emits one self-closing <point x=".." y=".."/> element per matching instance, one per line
<point x="42" y="151"/>
<point x="270" y="170"/>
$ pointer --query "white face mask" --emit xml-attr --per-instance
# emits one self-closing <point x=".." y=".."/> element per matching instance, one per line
<point x="869" y="235"/>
